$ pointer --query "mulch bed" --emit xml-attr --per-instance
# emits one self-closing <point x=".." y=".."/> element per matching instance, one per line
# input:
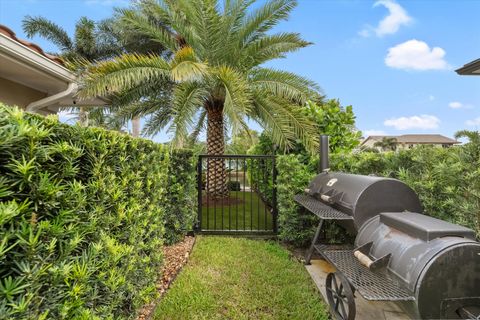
<point x="222" y="201"/>
<point x="175" y="257"/>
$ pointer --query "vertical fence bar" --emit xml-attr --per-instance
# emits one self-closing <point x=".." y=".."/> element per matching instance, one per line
<point x="274" y="196"/>
<point x="259" y="161"/>
<point x="215" y="199"/>
<point x="244" y="188"/>
<point x="199" y="192"/>
<point x="207" y="191"/>
<point x="222" y="204"/>
<point x="252" y="182"/>
<point x="265" y="178"/>
<point x="229" y="196"/>
<point x="237" y="195"/>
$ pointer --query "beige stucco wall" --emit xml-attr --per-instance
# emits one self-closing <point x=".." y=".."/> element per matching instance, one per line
<point x="13" y="93"/>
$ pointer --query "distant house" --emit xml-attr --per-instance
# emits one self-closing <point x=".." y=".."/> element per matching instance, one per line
<point x="34" y="80"/>
<point x="408" y="141"/>
<point x="470" y="69"/>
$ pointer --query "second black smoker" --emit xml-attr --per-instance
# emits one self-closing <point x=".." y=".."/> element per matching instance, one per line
<point x="429" y="266"/>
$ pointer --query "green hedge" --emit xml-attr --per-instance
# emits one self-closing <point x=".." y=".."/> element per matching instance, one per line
<point x="82" y="218"/>
<point x="181" y="204"/>
<point x="447" y="181"/>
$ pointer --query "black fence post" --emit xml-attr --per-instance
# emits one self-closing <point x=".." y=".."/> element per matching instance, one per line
<point x="199" y="192"/>
<point x="274" y="196"/>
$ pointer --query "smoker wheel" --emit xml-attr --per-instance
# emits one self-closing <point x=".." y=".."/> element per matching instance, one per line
<point x="340" y="296"/>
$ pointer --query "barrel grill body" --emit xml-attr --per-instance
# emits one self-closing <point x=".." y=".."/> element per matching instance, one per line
<point x="363" y="197"/>
<point x="438" y="261"/>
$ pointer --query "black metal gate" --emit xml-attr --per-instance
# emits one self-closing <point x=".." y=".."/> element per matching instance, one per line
<point x="249" y="205"/>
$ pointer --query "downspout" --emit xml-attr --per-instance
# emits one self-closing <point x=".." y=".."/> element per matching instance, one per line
<point x="50" y="100"/>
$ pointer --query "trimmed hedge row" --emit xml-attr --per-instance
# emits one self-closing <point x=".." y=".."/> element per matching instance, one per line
<point x="446" y="180"/>
<point x="83" y="215"/>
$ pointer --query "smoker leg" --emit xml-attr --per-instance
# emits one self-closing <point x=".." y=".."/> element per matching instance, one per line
<point x="308" y="256"/>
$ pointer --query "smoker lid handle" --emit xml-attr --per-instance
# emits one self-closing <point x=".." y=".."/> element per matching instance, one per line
<point x="363" y="258"/>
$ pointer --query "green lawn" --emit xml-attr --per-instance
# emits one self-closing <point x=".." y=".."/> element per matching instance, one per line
<point x="237" y="278"/>
<point x="250" y="214"/>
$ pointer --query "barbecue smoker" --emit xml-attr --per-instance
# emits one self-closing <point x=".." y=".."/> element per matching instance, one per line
<point x="429" y="266"/>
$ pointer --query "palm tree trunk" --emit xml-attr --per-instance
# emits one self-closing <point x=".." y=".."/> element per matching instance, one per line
<point x="83" y="117"/>
<point x="136" y="127"/>
<point x="216" y="185"/>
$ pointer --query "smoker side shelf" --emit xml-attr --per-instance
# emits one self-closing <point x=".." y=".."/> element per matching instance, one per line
<point x="371" y="285"/>
<point x="320" y="209"/>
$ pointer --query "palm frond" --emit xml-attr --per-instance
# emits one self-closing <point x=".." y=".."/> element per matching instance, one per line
<point x="185" y="66"/>
<point x="157" y="122"/>
<point x="143" y="25"/>
<point x="33" y="26"/>
<point x="285" y="121"/>
<point x="271" y="47"/>
<point x="122" y="73"/>
<point x="189" y="97"/>
<point x="265" y="18"/>
<point x="85" y="38"/>
<point x="284" y="84"/>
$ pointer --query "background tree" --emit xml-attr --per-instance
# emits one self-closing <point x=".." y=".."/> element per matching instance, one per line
<point x="472" y="147"/>
<point x="241" y="142"/>
<point x="337" y="122"/>
<point x="330" y="118"/>
<point x="387" y="143"/>
<point x="94" y="41"/>
<point x="216" y="74"/>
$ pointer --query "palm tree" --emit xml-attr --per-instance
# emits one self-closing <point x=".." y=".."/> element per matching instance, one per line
<point x="387" y="144"/>
<point x="216" y="73"/>
<point x="472" y="136"/>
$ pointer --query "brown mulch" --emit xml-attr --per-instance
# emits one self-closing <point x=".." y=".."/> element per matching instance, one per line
<point x="175" y="257"/>
<point x="222" y="201"/>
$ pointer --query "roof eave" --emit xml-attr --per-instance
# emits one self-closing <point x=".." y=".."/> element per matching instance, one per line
<point x="470" y="69"/>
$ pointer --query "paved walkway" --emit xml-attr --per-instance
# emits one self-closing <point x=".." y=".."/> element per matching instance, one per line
<point x="366" y="310"/>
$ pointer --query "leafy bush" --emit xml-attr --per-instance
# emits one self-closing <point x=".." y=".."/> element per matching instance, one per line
<point x="181" y="206"/>
<point x="81" y="219"/>
<point x="293" y="177"/>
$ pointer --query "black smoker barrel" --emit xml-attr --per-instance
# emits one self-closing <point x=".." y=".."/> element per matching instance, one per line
<point x="439" y="262"/>
<point x="362" y="197"/>
<point x="430" y="266"/>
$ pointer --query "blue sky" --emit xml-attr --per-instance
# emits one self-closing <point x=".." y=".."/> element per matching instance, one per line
<point x="393" y="61"/>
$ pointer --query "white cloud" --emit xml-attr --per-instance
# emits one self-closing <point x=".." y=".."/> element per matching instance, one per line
<point x="431" y="97"/>
<point x="474" y="122"/>
<point x="455" y="105"/>
<point x="397" y="16"/>
<point x="367" y="133"/>
<point x="416" y="55"/>
<point x="458" y="105"/>
<point x="423" y="122"/>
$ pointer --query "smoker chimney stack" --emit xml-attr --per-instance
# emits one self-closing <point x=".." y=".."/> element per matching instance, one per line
<point x="324" y="152"/>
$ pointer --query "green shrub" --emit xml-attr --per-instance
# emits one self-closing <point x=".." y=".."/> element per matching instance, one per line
<point x="295" y="226"/>
<point x="82" y="219"/>
<point x="181" y="205"/>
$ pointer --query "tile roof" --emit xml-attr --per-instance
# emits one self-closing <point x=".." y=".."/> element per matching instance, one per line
<point x="9" y="33"/>
<point x="417" y="138"/>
